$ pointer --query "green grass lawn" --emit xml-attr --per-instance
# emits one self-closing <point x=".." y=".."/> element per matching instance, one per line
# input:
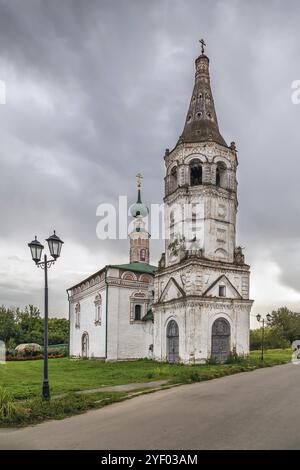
<point x="20" y="383"/>
<point x="24" y="379"/>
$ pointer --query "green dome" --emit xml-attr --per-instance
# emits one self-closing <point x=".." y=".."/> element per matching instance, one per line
<point x="139" y="209"/>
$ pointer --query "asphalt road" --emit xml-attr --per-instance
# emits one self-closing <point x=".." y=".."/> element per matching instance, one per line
<point x="252" y="410"/>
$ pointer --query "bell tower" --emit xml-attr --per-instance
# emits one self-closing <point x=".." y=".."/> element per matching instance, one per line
<point x="200" y="189"/>
<point x="139" y="237"/>
<point x="202" y="276"/>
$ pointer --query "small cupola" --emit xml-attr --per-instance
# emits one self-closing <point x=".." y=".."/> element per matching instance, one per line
<point x="139" y="237"/>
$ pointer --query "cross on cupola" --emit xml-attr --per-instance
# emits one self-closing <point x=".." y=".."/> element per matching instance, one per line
<point x="139" y="179"/>
<point x="202" y="42"/>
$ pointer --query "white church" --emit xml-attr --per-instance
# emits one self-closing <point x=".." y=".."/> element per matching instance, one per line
<point x="195" y="305"/>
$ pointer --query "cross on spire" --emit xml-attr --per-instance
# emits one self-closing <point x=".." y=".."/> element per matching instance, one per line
<point x="202" y="42"/>
<point x="139" y="178"/>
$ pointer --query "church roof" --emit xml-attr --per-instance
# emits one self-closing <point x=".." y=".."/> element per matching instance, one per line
<point x="201" y="123"/>
<point x="136" y="267"/>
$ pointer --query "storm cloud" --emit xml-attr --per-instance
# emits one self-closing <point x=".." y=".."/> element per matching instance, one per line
<point x="96" y="90"/>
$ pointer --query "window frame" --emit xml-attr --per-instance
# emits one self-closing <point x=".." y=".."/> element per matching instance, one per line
<point x="98" y="309"/>
<point x="222" y="291"/>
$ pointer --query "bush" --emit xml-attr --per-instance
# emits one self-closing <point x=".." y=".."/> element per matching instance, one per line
<point x="34" y="358"/>
<point x="58" y="350"/>
<point x="29" y="352"/>
<point x="211" y="361"/>
<point x="29" y="349"/>
<point x="8" y="410"/>
<point x="235" y="358"/>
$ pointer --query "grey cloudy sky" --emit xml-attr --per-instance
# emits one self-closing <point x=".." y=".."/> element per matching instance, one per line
<point x="96" y="90"/>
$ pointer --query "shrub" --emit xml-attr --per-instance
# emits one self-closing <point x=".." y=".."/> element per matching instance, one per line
<point x="57" y="351"/>
<point x="211" y="361"/>
<point x="27" y="349"/>
<point x="8" y="410"/>
<point x="234" y="358"/>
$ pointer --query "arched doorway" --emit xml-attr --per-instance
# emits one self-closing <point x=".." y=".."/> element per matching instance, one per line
<point x="85" y="345"/>
<point x="220" y="341"/>
<point x="172" y="342"/>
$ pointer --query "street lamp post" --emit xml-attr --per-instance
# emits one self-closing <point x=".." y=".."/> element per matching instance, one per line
<point x="36" y="248"/>
<point x="263" y="321"/>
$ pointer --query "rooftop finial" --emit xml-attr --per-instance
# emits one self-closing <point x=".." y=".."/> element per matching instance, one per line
<point x="202" y="42"/>
<point x="139" y="178"/>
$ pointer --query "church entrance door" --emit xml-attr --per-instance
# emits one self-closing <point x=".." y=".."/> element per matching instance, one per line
<point x="172" y="342"/>
<point x="85" y="345"/>
<point x="220" y="343"/>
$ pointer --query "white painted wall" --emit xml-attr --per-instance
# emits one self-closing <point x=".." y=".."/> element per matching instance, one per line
<point x="195" y="329"/>
<point x="126" y="339"/>
<point x="87" y="324"/>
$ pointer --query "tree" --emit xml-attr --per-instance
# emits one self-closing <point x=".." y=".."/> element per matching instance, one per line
<point x="58" y="331"/>
<point x="283" y="329"/>
<point x="8" y="327"/>
<point x="30" y="324"/>
<point x="287" y="323"/>
<point x="273" y="339"/>
<point x="26" y="326"/>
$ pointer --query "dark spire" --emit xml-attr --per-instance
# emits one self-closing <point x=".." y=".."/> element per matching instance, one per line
<point x="139" y="209"/>
<point x="201" y="122"/>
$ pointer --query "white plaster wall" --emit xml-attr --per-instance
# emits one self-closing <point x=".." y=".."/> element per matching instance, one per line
<point x="87" y="324"/>
<point x="195" y="329"/>
<point x="126" y="340"/>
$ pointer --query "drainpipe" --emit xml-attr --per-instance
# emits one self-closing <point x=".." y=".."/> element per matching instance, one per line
<point x="106" y="310"/>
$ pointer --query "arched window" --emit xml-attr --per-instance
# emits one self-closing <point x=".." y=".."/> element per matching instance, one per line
<point x="85" y="345"/>
<point x="98" y="309"/>
<point x="137" y="312"/>
<point x="218" y="177"/>
<point x="77" y="315"/>
<point x="172" y="342"/>
<point x="220" y="341"/>
<point x="173" y="179"/>
<point x="195" y="173"/>
<point x="221" y="175"/>
<point x="143" y="255"/>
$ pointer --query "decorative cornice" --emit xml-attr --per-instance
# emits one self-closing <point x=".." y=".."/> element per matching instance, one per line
<point x="205" y="190"/>
<point x="208" y="302"/>
<point x="87" y="292"/>
<point x="209" y="149"/>
<point x="204" y="263"/>
<point x="116" y="282"/>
